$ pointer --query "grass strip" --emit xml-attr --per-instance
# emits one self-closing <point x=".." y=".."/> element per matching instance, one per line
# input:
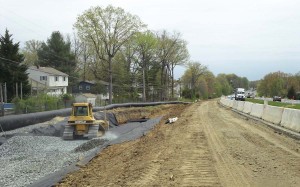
<point x="275" y="103"/>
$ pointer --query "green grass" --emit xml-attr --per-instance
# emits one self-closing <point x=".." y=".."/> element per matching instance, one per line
<point x="273" y="103"/>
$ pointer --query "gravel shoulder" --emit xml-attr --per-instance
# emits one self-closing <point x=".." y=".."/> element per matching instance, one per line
<point x="208" y="146"/>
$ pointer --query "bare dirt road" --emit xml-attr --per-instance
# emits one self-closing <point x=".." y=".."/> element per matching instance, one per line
<point x="208" y="146"/>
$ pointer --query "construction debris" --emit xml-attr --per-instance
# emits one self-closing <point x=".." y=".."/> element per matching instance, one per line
<point x="171" y="120"/>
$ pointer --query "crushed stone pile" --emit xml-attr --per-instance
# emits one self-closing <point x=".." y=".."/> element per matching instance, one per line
<point x="89" y="145"/>
<point x="37" y="155"/>
<point x="24" y="159"/>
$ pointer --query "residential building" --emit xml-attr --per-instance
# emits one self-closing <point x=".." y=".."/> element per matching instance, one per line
<point x="47" y="80"/>
<point x="86" y="98"/>
<point x="99" y="88"/>
<point x="83" y="87"/>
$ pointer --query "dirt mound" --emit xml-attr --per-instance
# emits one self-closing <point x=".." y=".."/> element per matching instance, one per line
<point x="128" y="114"/>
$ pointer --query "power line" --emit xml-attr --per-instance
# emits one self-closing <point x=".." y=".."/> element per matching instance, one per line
<point x="9" y="60"/>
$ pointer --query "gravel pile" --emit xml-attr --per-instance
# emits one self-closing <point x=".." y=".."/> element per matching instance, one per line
<point x="89" y="145"/>
<point x="24" y="159"/>
<point x="35" y="152"/>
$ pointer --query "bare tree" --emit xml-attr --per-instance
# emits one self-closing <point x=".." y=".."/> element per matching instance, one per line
<point x="108" y="29"/>
<point x="30" y="52"/>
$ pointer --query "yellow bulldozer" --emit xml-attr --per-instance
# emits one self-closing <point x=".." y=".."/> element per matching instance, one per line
<point x="82" y="123"/>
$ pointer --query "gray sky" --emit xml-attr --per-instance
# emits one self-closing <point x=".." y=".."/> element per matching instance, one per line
<point x="248" y="38"/>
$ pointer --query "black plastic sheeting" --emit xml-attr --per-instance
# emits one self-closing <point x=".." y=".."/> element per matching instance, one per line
<point x="17" y="121"/>
<point x="58" y="128"/>
<point x="126" y="132"/>
<point x="109" y="117"/>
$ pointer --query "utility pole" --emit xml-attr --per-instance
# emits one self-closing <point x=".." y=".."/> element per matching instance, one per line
<point x="1" y="93"/>
<point x="21" y="91"/>
<point x="17" y="95"/>
<point x="5" y="93"/>
<point x="1" y="100"/>
<point x="31" y="87"/>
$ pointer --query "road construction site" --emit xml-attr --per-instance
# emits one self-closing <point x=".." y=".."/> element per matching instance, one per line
<point x="209" y="145"/>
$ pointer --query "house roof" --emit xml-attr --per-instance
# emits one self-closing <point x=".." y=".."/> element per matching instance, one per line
<point x="48" y="70"/>
<point x="91" y="82"/>
<point x="94" y="82"/>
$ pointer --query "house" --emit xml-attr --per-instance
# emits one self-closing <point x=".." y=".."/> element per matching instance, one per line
<point x="83" y="87"/>
<point x="48" y="80"/>
<point x="100" y="88"/>
<point x="86" y="98"/>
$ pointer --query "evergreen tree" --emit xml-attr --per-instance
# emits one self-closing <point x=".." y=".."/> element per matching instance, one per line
<point x="11" y="71"/>
<point x="56" y="53"/>
<point x="291" y="93"/>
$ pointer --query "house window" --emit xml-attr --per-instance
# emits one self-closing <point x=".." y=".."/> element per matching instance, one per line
<point x="56" y="78"/>
<point x="87" y="87"/>
<point x="43" y="78"/>
<point x="65" y="78"/>
<point x="80" y="87"/>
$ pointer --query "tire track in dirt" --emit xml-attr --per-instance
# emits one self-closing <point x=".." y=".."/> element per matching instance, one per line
<point x="185" y="158"/>
<point x="229" y="172"/>
<point x="149" y="174"/>
<point x="195" y="159"/>
<point x="247" y="153"/>
<point x="197" y="163"/>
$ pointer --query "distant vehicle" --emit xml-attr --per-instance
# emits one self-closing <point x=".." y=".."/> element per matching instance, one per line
<point x="239" y="94"/>
<point x="277" y="98"/>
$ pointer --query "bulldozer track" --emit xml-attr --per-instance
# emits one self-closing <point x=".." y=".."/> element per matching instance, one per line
<point x="68" y="133"/>
<point x="93" y="131"/>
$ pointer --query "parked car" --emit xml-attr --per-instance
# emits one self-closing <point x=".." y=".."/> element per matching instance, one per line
<point x="277" y="98"/>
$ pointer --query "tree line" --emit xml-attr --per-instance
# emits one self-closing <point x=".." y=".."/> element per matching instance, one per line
<point x="280" y="84"/>
<point x="112" y="45"/>
<point x="200" y="83"/>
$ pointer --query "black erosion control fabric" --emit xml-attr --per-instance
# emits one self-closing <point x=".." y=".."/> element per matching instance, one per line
<point x="115" y="135"/>
<point x="17" y="121"/>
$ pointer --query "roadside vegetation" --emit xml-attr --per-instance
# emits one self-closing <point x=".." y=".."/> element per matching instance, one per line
<point x="280" y="84"/>
<point x="41" y="102"/>
<point x="275" y="103"/>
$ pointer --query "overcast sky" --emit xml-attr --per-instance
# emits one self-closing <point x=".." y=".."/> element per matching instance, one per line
<point x="249" y="38"/>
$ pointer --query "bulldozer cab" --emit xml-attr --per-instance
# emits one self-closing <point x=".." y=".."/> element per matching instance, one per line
<point x="82" y="109"/>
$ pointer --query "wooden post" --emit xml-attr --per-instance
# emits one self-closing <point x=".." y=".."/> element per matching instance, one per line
<point x="5" y="93"/>
<point x="1" y="100"/>
<point x="1" y="93"/>
<point x="21" y="91"/>
<point x="17" y="95"/>
<point x="31" y="87"/>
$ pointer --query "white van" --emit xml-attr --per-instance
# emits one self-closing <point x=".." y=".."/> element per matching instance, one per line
<point x="240" y="94"/>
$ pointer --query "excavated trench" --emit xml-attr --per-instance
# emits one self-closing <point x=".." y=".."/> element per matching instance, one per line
<point x="36" y="155"/>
